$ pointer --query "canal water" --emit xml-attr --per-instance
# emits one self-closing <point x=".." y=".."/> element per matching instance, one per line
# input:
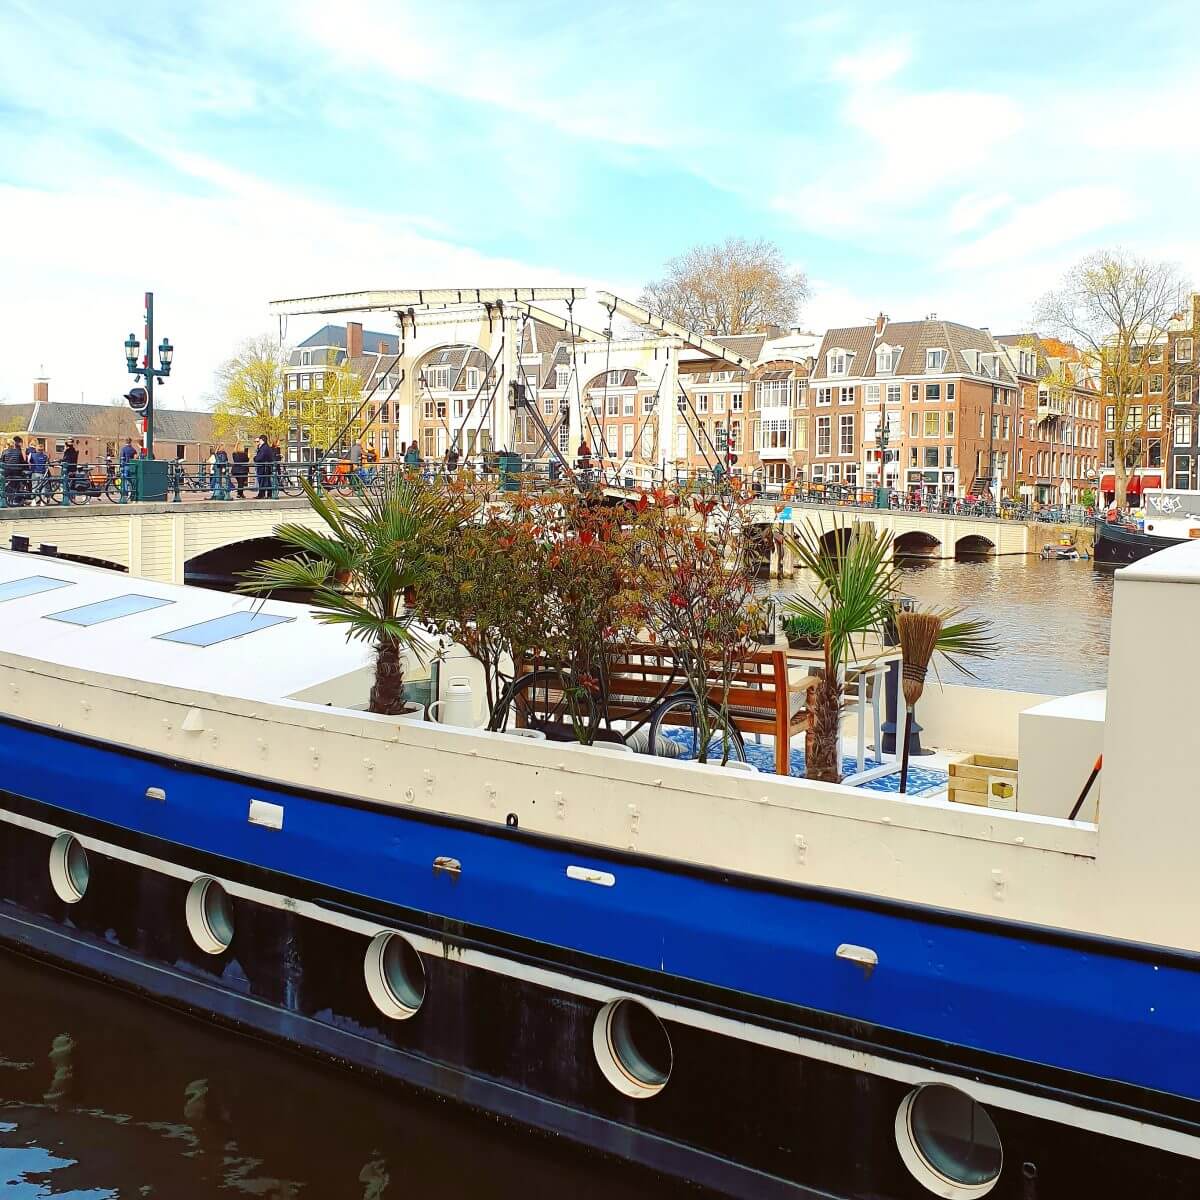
<point x="105" y="1096"/>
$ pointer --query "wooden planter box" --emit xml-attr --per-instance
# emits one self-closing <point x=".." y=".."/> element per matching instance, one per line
<point x="987" y="780"/>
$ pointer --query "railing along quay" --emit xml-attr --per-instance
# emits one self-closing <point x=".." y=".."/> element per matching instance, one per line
<point x="67" y="484"/>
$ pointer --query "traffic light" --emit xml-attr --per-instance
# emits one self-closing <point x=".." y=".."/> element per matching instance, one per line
<point x="137" y="398"/>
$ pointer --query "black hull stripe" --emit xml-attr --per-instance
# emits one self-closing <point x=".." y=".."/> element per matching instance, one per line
<point x="1074" y="939"/>
<point x="1051" y="1083"/>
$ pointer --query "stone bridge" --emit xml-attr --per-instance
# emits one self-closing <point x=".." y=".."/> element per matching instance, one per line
<point x="199" y="542"/>
<point x="916" y="534"/>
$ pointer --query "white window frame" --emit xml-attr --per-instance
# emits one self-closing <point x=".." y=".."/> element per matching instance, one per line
<point x="824" y="436"/>
<point x="846" y="434"/>
<point x="935" y="358"/>
<point x="1180" y="345"/>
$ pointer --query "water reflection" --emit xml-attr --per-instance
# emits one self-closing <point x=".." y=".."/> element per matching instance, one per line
<point x="105" y="1096"/>
<point x="1050" y="618"/>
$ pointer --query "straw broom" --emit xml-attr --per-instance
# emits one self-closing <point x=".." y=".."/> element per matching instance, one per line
<point x="919" y="633"/>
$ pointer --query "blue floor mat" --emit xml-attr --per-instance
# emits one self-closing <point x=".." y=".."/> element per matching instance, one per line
<point x="920" y="779"/>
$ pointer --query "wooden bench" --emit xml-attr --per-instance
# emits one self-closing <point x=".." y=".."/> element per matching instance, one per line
<point x="762" y="697"/>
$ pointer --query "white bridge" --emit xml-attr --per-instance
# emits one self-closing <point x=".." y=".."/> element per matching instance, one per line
<point x="211" y="540"/>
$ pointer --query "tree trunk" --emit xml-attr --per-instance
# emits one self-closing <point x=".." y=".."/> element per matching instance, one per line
<point x="387" y="692"/>
<point x="1120" y="479"/>
<point x="822" y="754"/>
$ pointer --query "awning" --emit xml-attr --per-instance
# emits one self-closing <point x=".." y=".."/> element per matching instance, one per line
<point x="1135" y="483"/>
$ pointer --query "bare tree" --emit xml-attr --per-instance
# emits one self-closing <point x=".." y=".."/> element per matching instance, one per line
<point x="728" y="288"/>
<point x="1116" y="307"/>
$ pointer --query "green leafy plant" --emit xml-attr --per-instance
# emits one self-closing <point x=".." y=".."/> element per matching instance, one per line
<point x="803" y="625"/>
<point x="854" y="585"/>
<point x="359" y="568"/>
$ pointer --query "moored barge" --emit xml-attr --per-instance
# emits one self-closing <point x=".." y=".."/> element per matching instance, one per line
<point x="769" y="986"/>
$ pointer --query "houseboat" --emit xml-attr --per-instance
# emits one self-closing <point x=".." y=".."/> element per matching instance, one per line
<point x="1171" y="516"/>
<point x="771" y="987"/>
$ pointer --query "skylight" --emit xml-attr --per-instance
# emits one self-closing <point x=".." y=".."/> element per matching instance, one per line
<point x="108" y="610"/>
<point x="223" y="629"/>
<point x="31" y="585"/>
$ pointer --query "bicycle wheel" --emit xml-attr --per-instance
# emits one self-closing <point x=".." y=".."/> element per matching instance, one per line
<point x="80" y="494"/>
<point x="681" y="712"/>
<point x="112" y="490"/>
<point x="545" y="700"/>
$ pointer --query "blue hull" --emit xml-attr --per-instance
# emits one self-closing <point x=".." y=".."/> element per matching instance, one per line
<point x="1056" y="1015"/>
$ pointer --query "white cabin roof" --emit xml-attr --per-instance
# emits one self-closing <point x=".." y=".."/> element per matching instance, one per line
<point x="276" y="649"/>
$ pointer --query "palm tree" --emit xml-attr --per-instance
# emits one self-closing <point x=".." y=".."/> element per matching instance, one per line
<point x="358" y="569"/>
<point x="854" y="591"/>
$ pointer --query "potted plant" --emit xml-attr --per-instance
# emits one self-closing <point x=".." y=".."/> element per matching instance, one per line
<point x="358" y="568"/>
<point x="804" y="631"/>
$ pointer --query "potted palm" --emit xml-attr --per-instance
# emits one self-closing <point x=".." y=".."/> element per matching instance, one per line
<point x="854" y="585"/>
<point x="359" y="567"/>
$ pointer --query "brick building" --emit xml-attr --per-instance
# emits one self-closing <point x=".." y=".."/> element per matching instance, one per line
<point x="1183" y="422"/>
<point x="99" y="430"/>
<point x="946" y="392"/>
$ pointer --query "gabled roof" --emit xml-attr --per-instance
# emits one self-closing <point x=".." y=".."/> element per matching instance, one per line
<point x="111" y="421"/>
<point x="912" y="338"/>
<point x="748" y="345"/>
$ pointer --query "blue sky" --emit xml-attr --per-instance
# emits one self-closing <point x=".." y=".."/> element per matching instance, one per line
<point x="948" y="157"/>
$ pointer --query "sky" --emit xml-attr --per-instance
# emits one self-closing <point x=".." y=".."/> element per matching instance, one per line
<point x="948" y="157"/>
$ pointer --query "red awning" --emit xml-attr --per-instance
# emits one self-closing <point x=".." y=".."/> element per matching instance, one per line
<point x="1135" y="483"/>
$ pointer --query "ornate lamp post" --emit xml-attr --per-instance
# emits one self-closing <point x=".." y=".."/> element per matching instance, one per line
<point x="147" y="370"/>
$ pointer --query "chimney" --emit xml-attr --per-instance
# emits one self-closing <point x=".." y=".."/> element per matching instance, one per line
<point x="353" y="339"/>
<point x="880" y="323"/>
<point x="41" y="391"/>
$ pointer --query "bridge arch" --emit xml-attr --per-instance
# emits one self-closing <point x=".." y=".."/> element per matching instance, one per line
<point x="837" y="540"/>
<point x="220" y="567"/>
<point x="452" y="383"/>
<point x="974" y="545"/>
<point x="915" y="543"/>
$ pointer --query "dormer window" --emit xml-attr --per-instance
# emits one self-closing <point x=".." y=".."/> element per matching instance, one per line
<point x="305" y="358"/>
<point x="887" y="359"/>
<point x="837" y="360"/>
<point x="935" y="360"/>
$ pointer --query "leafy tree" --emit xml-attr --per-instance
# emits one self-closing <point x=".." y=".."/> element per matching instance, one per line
<point x="360" y="567"/>
<point x="1115" y="306"/>
<point x="327" y="410"/>
<point x="728" y="288"/>
<point x="250" y="392"/>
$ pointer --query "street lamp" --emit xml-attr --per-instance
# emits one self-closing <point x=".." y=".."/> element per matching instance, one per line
<point x="147" y="370"/>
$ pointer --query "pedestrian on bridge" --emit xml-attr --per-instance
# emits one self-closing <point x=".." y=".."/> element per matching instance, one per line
<point x="240" y="470"/>
<point x="263" y="460"/>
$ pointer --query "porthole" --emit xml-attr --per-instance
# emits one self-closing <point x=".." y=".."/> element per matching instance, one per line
<point x="395" y="976"/>
<point x="633" y="1048"/>
<point x="948" y="1142"/>
<point x="209" y="915"/>
<point x="70" y="871"/>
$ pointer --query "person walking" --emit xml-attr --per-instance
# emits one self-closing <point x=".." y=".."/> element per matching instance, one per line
<point x="412" y="456"/>
<point x="70" y="464"/>
<point x="452" y="461"/>
<point x="38" y="464"/>
<point x="128" y="454"/>
<point x="356" y="462"/>
<point x="263" y="458"/>
<point x="240" y="470"/>
<point x="13" y="463"/>
<point x="220" y="474"/>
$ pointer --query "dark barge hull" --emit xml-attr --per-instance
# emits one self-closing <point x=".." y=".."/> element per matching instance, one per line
<point x="1118" y="545"/>
<point x="744" y="1112"/>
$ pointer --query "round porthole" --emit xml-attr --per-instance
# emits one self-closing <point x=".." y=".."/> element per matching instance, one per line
<point x="395" y="976"/>
<point x="948" y="1142"/>
<point x="633" y="1048"/>
<point x="69" y="869"/>
<point x="209" y="915"/>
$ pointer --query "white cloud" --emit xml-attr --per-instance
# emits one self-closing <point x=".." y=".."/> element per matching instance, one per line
<point x="873" y="65"/>
<point x="973" y="210"/>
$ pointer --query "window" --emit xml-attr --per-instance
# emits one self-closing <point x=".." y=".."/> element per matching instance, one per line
<point x="1154" y="417"/>
<point x="949" y="456"/>
<point x="1183" y="389"/>
<point x="914" y="424"/>
<point x="550" y="405"/>
<point x="801" y="441"/>
<point x="852" y="474"/>
<point x="931" y="456"/>
<point x="1133" y="417"/>
<point x="735" y="402"/>
<point x="982" y="423"/>
<point x="995" y="426"/>
<point x="1183" y="350"/>
<point x="775" y="433"/>
<point x="1110" y="417"/>
<point x="702" y="403"/>
<point x="914" y="393"/>
<point x="1183" y="471"/>
<point x="1156" y="385"/>
<point x="613" y="406"/>
<point x="846" y="395"/>
<point x="824" y="435"/>
<point x="1108" y="452"/>
<point x="893" y="393"/>
<point x="647" y="404"/>
<point x="949" y="392"/>
<point x="627" y="405"/>
<point x="224" y="629"/>
<point x="835" y="472"/>
<point x="1183" y="429"/>
<point x="935" y="360"/>
<point x="818" y="473"/>
<point x="933" y="425"/>
<point x="933" y="391"/>
<point x="627" y="440"/>
<point x="718" y="403"/>
<point x="824" y="395"/>
<point x="305" y="382"/>
<point x="950" y="424"/>
<point x="846" y="433"/>
<point x="472" y="379"/>
<point x="912" y="456"/>
<point x="872" y="393"/>
<point x="1155" y="355"/>
<point x="836" y="360"/>
<point x="562" y="377"/>
<point x="887" y="358"/>
<point x="775" y="393"/>
<point x="1139" y="387"/>
<point x="31" y="585"/>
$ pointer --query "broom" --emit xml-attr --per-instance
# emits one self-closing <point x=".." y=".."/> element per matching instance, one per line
<point x="919" y="633"/>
